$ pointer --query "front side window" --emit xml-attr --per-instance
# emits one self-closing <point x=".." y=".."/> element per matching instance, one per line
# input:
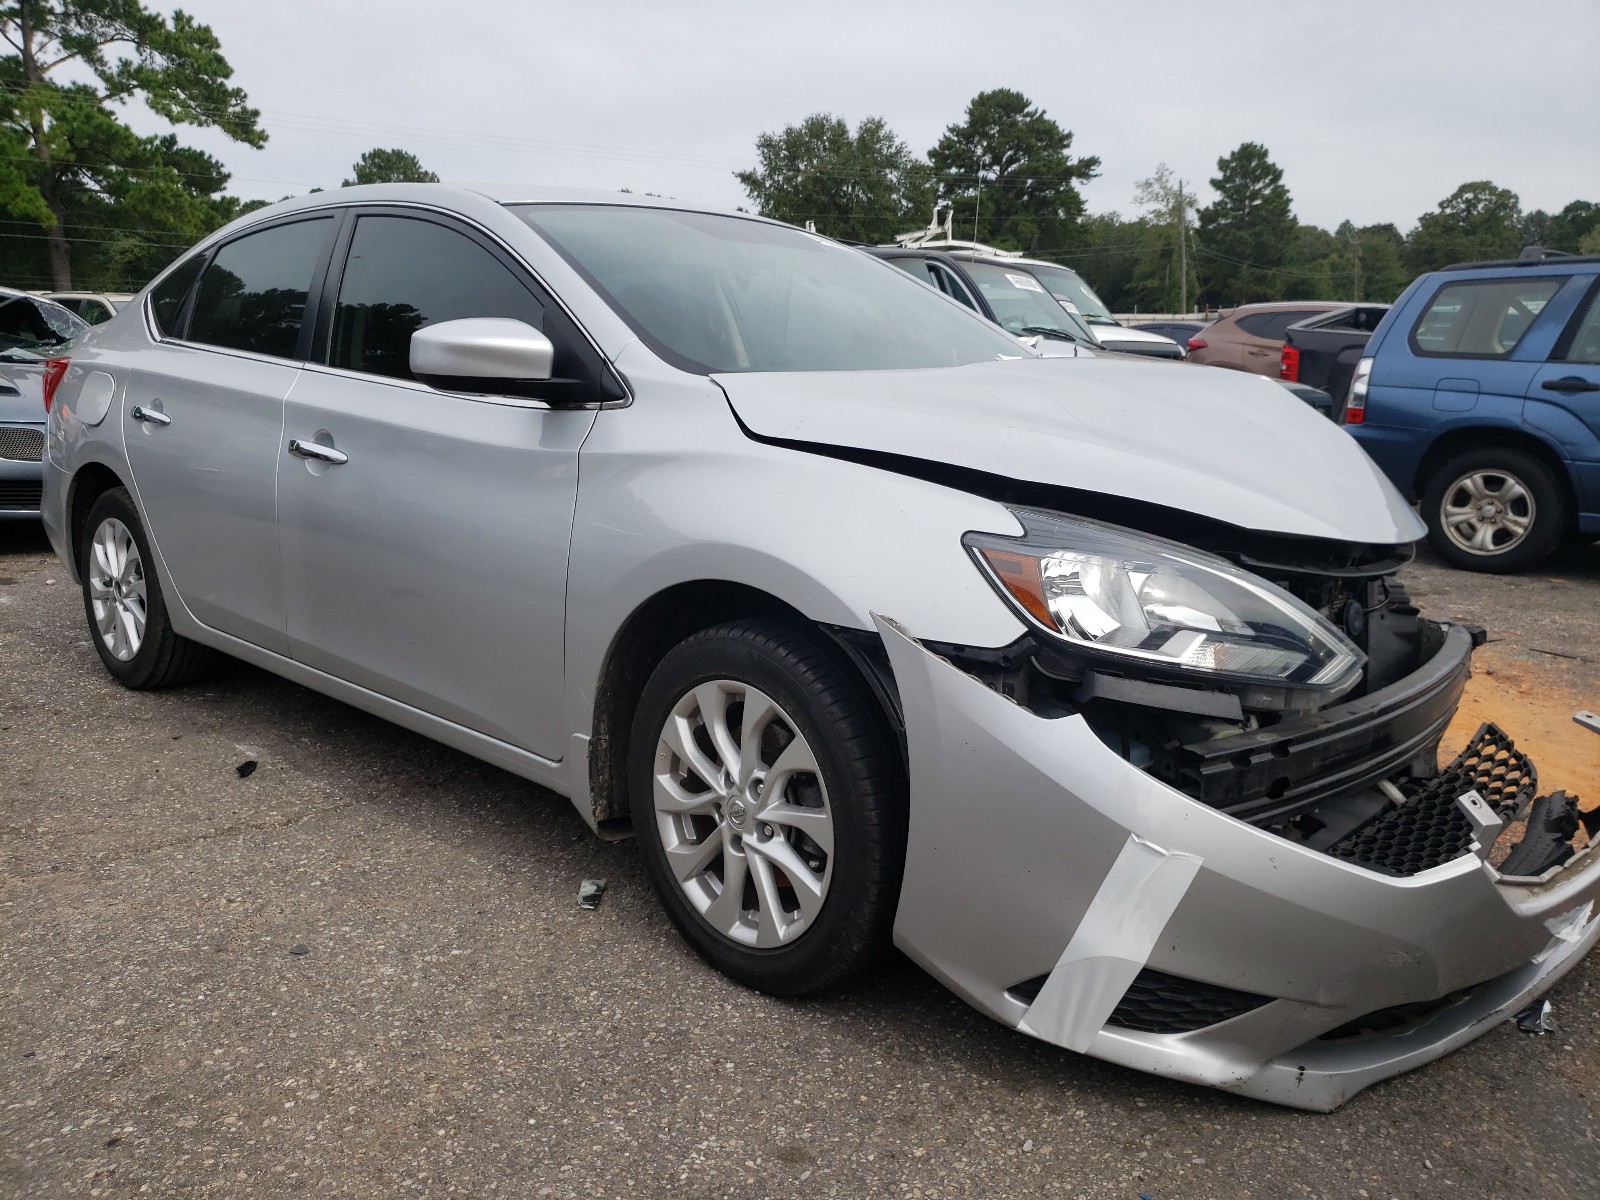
<point x="403" y="274"/>
<point x="1482" y="318"/>
<point x="713" y="294"/>
<point x="1584" y="344"/>
<point x="253" y="295"/>
<point x="32" y="329"/>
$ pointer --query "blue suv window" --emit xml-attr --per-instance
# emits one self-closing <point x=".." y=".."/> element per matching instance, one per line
<point x="1481" y="318"/>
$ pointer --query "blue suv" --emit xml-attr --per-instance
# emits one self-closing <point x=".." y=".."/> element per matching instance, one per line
<point x="1480" y="397"/>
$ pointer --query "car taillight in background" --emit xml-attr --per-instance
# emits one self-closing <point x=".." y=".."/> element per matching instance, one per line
<point x="54" y="370"/>
<point x="1355" y="405"/>
<point x="1197" y="343"/>
<point x="1289" y="364"/>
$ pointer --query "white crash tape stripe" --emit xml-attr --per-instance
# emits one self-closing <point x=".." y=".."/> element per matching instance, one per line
<point x="1111" y="945"/>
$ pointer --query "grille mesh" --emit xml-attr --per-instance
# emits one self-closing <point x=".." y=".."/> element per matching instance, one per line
<point x="1430" y="829"/>
<point x="21" y="444"/>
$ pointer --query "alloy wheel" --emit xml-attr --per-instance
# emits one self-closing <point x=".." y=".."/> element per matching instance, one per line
<point x="117" y="589"/>
<point x="743" y="814"/>
<point x="1487" y="512"/>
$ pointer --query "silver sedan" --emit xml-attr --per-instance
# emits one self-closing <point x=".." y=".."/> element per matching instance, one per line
<point x="1087" y="683"/>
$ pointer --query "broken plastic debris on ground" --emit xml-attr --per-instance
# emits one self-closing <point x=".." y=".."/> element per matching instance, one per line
<point x="590" y="892"/>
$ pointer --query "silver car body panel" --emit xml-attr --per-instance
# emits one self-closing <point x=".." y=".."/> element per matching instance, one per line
<point x="1126" y="428"/>
<point x="1035" y="851"/>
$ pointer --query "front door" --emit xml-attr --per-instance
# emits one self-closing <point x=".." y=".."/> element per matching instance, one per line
<point x="429" y="565"/>
<point x="202" y="421"/>
<point x="1564" y="398"/>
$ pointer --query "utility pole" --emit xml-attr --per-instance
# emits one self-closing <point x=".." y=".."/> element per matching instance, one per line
<point x="1183" y="254"/>
<point x="1355" y="272"/>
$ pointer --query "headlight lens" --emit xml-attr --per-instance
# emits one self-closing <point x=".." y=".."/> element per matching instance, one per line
<point x="1135" y="598"/>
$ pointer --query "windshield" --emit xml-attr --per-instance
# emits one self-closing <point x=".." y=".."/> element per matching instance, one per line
<point x="1022" y="305"/>
<point x="32" y="329"/>
<point x="1075" y="295"/>
<point x="715" y="294"/>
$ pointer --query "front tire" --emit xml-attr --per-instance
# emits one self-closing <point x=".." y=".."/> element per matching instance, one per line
<point x="768" y="801"/>
<point x="122" y="599"/>
<point x="1494" y="510"/>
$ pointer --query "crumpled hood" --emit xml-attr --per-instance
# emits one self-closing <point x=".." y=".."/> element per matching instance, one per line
<point x="1234" y="447"/>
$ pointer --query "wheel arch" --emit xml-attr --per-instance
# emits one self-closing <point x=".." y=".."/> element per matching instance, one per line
<point x="89" y="483"/>
<point x="657" y="625"/>
<point x="1494" y="437"/>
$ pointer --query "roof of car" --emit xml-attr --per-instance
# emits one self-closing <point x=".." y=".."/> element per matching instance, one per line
<point x="1280" y="305"/>
<point x="1546" y="258"/>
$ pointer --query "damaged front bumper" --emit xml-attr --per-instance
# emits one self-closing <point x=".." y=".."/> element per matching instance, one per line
<point x="1067" y="893"/>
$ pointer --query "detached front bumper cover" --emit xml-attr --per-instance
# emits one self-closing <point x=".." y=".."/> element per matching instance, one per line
<point x="1068" y="894"/>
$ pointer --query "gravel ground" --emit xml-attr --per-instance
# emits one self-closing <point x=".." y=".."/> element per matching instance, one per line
<point x="361" y="970"/>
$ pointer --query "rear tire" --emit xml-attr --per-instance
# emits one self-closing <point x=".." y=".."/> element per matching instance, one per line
<point x="1494" y="510"/>
<point x="809" y="823"/>
<point x="122" y="599"/>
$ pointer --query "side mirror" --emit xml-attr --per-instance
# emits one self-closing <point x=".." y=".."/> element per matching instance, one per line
<point x="479" y="354"/>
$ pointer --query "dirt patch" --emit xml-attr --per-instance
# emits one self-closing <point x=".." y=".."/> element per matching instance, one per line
<point x="1534" y="703"/>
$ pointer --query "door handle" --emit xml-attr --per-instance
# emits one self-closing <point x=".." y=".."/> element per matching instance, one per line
<point x="150" y="416"/>
<point x="1570" y="383"/>
<point x="318" y="451"/>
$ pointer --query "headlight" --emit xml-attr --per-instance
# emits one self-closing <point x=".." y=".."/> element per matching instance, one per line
<point x="1139" y="600"/>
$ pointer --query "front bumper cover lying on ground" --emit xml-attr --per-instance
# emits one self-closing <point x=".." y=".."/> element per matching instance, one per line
<point x="1068" y="894"/>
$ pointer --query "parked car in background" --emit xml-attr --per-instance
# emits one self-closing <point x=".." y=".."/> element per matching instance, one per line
<point x="1084" y="684"/>
<point x="1479" y="396"/>
<point x="1322" y="351"/>
<point x="999" y="290"/>
<point x="94" y="307"/>
<point x="1250" y="337"/>
<point x="32" y="331"/>
<point x="1177" y="331"/>
<point x="1062" y="283"/>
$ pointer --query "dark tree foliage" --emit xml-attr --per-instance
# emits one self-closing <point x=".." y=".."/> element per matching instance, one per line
<point x="864" y="186"/>
<point x="1247" y="235"/>
<point x="389" y="166"/>
<point x="73" y="171"/>
<point x="1008" y="172"/>
<point x="1476" y="221"/>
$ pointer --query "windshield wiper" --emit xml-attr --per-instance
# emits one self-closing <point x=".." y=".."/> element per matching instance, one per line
<point x="1052" y="332"/>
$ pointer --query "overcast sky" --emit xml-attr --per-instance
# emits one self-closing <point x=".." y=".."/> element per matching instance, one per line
<point x="1375" y="109"/>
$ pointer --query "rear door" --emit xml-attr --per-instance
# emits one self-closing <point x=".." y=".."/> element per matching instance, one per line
<point x="204" y="412"/>
<point x="1260" y="344"/>
<point x="430" y="565"/>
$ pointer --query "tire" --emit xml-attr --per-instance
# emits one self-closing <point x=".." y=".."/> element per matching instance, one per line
<point x="1494" y="510"/>
<point x="819" y="870"/>
<point x="119" y="582"/>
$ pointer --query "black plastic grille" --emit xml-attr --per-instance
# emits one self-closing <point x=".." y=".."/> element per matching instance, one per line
<point x="21" y="444"/>
<point x="1430" y="829"/>
<point x="1160" y="1003"/>
<point x="20" y="493"/>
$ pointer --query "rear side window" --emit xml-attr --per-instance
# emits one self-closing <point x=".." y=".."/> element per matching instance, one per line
<point x="253" y="295"/>
<point x="1273" y="325"/>
<point x="166" y="301"/>
<point x="404" y="274"/>
<point x="1481" y="318"/>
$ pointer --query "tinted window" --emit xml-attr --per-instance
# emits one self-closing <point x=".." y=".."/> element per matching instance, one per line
<point x="1482" y="318"/>
<point x="402" y="275"/>
<point x="253" y="295"/>
<point x="1271" y="325"/>
<point x="917" y="268"/>
<point x="716" y="293"/>
<point x="1584" y="344"/>
<point x="952" y="287"/>
<point x="166" y="301"/>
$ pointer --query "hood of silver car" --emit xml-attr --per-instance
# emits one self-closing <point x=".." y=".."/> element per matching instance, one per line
<point x="1234" y="447"/>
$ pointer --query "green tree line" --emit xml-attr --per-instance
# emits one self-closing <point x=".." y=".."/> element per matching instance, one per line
<point x="1010" y="179"/>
